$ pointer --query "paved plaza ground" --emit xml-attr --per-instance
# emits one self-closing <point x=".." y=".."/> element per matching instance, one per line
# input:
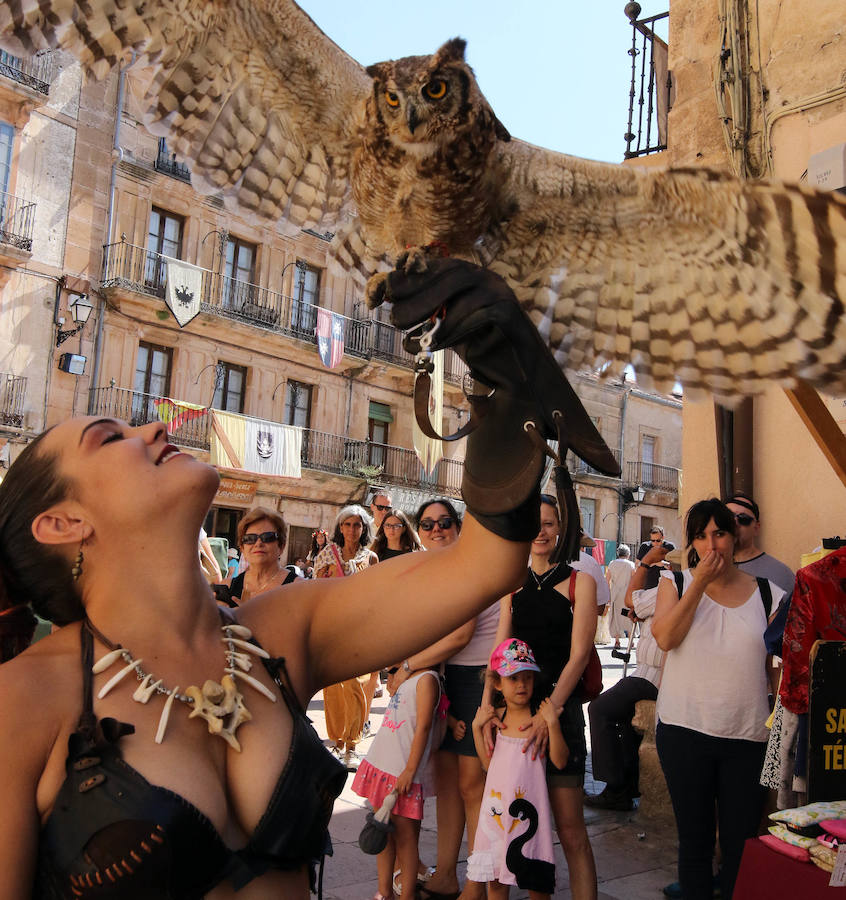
<point x="634" y="858"/>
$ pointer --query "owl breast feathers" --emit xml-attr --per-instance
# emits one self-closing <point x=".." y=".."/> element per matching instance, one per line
<point x="687" y="274"/>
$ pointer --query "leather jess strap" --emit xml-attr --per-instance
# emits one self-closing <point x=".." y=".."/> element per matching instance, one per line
<point x="422" y="386"/>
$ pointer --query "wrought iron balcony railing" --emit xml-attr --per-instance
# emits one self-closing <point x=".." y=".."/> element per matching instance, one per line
<point x="12" y="396"/>
<point x="652" y="477"/>
<point x="36" y="72"/>
<point x="580" y="467"/>
<point x="17" y="218"/>
<point x="651" y="92"/>
<point x="140" y="270"/>
<point x="365" y="459"/>
<point x="168" y="163"/>
<point x="189" y="425"/>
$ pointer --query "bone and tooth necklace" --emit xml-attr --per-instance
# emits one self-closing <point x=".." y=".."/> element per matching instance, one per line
<point x="221" y="703"/>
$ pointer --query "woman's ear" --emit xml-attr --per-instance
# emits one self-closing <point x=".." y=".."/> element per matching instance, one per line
<point x="61" y="524"/>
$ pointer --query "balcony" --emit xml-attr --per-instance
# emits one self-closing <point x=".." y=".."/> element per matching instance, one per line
<point x="12" y="395"/>
<point x="652" y="477"/>
<point x="167" y="163"/>
<point x="364" y="459"/>
<point x="17" y="218"/>
<point x="578" y="466"/>
<point x="652" y="91"/>
<point x="137" y="269"/>
<point x="34" y="73"/>
<point x="189" y="425"/>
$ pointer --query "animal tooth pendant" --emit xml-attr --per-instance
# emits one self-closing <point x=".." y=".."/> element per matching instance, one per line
<point x="115" y="679"/>
<point x="146" y="689"/>
<point x="165" y="716"/>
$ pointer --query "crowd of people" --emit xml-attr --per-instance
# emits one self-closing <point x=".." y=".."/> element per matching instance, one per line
<point x="489" y="719"/>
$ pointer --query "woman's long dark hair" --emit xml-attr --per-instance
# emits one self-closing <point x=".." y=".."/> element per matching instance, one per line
<point x="31" y="572"/>
<point x="409" y="541"/>
<point x="697" y="519"/>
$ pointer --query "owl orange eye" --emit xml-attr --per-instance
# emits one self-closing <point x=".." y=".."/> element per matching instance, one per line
<point x="391" y="99"/>
<point x="436" y="90"/>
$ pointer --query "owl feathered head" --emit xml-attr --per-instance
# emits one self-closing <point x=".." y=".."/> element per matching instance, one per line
<point x="425" y="100"/>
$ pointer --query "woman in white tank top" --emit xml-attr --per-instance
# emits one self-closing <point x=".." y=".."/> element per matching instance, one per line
<point x="712" y="703"/>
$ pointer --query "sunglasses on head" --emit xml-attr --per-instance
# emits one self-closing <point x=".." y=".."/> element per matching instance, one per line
<point x="444" y="523"/>
<point x="743" y="519"/>
<point x="266" y="537"/>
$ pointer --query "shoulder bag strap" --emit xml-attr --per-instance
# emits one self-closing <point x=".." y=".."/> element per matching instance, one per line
<point x="341" y="570"/>
<point x="766" y="595"/>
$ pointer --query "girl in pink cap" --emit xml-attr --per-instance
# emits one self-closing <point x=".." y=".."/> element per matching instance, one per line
<point x="514" y="837"/>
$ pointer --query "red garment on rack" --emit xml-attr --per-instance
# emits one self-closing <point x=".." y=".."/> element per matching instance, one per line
<point x="817" y="613"/>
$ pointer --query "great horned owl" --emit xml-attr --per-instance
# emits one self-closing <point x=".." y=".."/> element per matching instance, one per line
<point x="422" y="172"/>
<point x="686" y="274"/>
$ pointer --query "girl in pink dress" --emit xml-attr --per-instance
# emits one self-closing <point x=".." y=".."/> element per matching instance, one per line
<point x="399" y="758"/>
<point x="514" y="837"/>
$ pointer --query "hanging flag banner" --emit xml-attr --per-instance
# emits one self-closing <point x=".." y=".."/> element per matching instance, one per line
<point x="183" y="288"/>
<point x="429" y="451"/>
<point x="272" y="449"/>
<point x="175" y="413"/>
<point x="226" y="442"/>
<point x="330" y="337"/>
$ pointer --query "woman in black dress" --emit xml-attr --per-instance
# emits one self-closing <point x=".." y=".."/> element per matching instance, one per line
<point x="540" y="614"/>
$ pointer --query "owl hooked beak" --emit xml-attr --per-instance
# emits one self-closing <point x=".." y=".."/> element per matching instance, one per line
<point x="411" y="117"/>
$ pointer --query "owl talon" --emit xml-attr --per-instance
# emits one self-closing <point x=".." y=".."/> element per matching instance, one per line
<point x="414" y="261"/>
<point x="375" y="290"/>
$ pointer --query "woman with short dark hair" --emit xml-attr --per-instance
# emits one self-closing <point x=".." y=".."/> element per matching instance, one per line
<point x="712" y="703"/>
<point x="262" y="535"/>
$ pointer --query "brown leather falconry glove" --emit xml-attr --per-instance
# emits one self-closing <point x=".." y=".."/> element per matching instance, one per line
<point x="522" y="398"/>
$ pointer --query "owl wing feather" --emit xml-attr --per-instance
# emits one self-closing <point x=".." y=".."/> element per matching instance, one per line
<point x="261" y="104"/>
<point x="690" y="275"/>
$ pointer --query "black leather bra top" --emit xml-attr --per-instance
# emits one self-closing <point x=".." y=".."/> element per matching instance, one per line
<point x="112" y="834"/>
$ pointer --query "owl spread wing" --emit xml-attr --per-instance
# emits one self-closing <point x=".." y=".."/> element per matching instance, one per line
<point x="690" y="275"/>
<point x="263" y="106"/>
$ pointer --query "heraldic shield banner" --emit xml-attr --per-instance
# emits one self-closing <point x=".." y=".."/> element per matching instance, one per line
<point x="330" y="337"/>
<point x="183" y="289"/>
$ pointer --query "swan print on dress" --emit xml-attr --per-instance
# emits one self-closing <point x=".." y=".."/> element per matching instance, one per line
<point x="514" y="837"/>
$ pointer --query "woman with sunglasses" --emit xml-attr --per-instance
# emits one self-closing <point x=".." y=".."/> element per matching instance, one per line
<point x="395" y="536"/>
<point x="262" y="535"/>
<point x="460" y="779"/>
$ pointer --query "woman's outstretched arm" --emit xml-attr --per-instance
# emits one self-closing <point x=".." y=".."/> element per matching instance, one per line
<point x="372" y="619"/>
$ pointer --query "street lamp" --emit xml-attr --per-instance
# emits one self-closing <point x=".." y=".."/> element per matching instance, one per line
<point x="80" y="309"/>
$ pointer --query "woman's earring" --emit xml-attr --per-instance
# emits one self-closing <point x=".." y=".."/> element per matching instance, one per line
<point x="76" y="569"/>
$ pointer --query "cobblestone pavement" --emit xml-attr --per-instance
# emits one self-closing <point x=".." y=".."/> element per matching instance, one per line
<point x="635" y="858"/>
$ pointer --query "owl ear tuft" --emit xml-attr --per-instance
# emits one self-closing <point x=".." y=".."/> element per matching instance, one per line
<point x="378" y="71"/>
<point x="501" y="131"/>
<point x="452" y="51"/>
